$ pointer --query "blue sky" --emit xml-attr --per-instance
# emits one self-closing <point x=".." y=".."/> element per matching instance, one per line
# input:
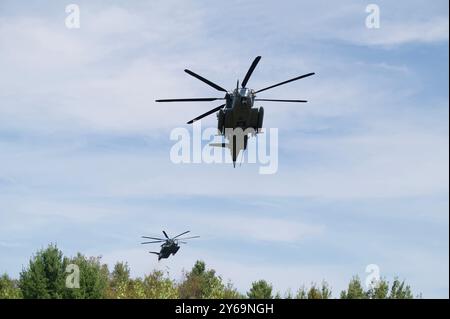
<point x="363" y="167"/>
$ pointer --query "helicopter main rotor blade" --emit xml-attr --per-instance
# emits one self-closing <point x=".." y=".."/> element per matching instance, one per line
<point x="155" y="238"/>
<point x="214" y="85"/>
<point x="181" y="234"/>
<point x="291" y="80"/>
<point x="272" y="100"/>
<point x="165" y="234"/>
<point x="195" y="99"/>
<point x="153" y="242"/>
<point x="188" y="237"/>
<point x="206" y="114"/>
<point x="250" y="71"/>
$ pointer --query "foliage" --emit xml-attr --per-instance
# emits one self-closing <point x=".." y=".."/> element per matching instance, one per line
<point x="400" y="291"/>
<point x="260" y="289"/>
<point x="379" y="290"/>
<point x="158" y="286"/>
<point x="93" y="278"/>
<point x="44" y="278"/>
<point x="355" y="290"/>
<point x="314" y="292"/>
<point x="302" y="293"/>
<point x="47" y="272"/>
<point x="203" y="283"/>
<point x="120" y="285"/>
<point x="322" y="292"/>
<point x="9" y="288"/>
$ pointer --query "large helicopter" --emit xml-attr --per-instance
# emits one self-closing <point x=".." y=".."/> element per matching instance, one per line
<point x="238" y="111"/>
<point x="170" y="245"/>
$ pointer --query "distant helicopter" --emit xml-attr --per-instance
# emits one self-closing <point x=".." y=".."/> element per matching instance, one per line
<point x="238" y="110"/>
<point x="169" y="246"/>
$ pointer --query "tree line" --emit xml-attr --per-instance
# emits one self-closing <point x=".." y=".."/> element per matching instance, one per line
<point x="45" y="277"/>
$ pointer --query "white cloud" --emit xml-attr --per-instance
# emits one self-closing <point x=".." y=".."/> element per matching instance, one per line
<point x="9" y="244"/>
<point x="393" y="33"/>
<point x="248" y="226"/>
<point x="106" y="75"/>
<point x="414" y="22"/>
<point x="387" y="162"/>
<point x="362" y="136"/>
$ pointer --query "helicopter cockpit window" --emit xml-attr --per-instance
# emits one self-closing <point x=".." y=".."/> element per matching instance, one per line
<point x="244" y="92"/>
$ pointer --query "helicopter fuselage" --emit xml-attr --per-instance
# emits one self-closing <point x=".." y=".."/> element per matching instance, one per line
<point x="167" y="249"/>
<point x="239" y="113"/>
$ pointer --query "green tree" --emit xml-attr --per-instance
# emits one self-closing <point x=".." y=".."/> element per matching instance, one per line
<point x="322" y="292"/>
<point x="118" y="281"/>
<point x="158" y="286"/>
<point x="131" y="289"/>
<point x="9" y="288"/>
<point x="229" y="292"/>
<point x="45" y="276"/>
<point x="260" y="289"/>
<point x="196" y="283"/>
<point x="301" y="293"/>
<point x="355" y="290"/>
<point x="121" y="286"/>
<point x="400" y="290"/>
<point x="93" y="278"/>
<point x="288" y="294"/>
<point x="120" y="274"/>
<point x="325" y="290"/>
<point x="379" y="290"/>
<point x="203" y="283"/>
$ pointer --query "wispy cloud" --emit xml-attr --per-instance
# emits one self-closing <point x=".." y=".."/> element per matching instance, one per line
<point x="84" y="148"/>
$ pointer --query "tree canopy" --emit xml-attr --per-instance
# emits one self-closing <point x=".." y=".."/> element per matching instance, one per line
<point x="260" y="289"/>
<point x="49" y="274"/>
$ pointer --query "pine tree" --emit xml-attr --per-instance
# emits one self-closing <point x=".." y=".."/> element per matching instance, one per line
<point x="260" y="289"/>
